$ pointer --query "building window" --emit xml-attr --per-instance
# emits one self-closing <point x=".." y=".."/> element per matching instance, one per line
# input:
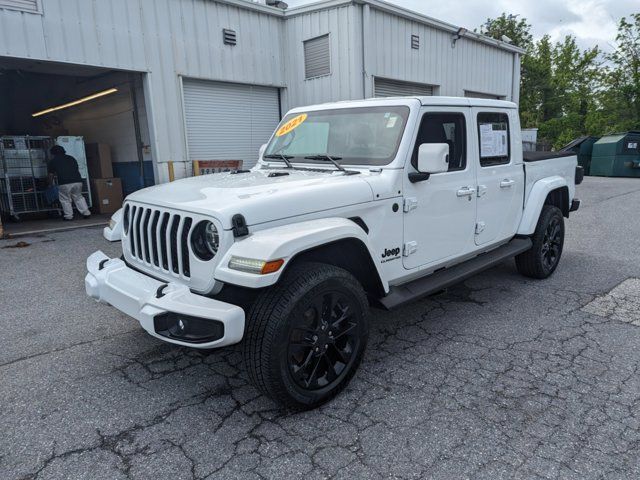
<point x="493" y="133"/>
<point x="32" y="6"/>
<point x="415" y="42"/>
<point x="317" y="57"/>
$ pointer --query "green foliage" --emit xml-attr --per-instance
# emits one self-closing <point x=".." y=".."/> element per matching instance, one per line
<point x="519" y="31"/>
<point x="567" y="92"/>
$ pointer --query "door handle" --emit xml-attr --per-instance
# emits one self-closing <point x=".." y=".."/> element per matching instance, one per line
<point x="506" y="183"/>
<point x="466" y="192"/>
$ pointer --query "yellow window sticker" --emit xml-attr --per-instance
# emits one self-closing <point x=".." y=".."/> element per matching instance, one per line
<point x="291" y="125"/>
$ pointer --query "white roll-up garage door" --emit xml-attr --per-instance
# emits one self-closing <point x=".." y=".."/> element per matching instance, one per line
<point x="228" y="121"/>
<point x="383" y="87"/>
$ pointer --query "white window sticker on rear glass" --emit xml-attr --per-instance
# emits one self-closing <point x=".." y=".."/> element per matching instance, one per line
<point x="493" y="140"/>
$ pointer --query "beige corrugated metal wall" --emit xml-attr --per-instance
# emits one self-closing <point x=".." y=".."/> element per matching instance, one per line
<point x="166" y="38"/>
<point x="171" y="39"/>
<point x="470" y="65"/>
<point x="345" y="41"/>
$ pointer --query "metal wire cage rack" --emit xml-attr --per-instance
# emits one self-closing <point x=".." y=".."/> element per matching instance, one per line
<point x="24" y="176"/>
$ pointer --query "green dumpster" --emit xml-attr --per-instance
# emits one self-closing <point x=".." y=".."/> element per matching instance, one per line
<point x="617" y="155"/>
<point x="583" y="148"/>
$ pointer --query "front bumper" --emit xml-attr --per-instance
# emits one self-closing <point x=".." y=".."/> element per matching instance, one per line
<point x="144" y="298"/>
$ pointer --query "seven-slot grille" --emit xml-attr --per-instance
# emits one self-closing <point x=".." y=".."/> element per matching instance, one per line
<point x="160" y="239"/>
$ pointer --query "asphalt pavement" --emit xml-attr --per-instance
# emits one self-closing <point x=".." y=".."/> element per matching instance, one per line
<point x="500" y="377"/>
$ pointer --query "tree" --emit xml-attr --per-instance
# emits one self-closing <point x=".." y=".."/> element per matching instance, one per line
<point x="620" y="98"/>
<point x="557" y="81"/>
<point x="519" y="31"/>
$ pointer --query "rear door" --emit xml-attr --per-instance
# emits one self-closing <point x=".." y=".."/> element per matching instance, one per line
<point x="440" y="212"/>
<point x="500" y="176"/>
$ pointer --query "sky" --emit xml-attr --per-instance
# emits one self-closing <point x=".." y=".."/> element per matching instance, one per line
<point x="592" y="22"/>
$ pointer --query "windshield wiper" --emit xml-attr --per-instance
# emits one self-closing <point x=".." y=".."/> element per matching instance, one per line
<point x="328" y="158"/>
<point x="280" y="156"/>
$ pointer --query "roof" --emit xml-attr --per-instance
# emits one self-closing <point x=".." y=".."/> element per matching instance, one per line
<point x="466" y="102"/>
<point x="379" y="5"/>
<point x="425" y="101"/>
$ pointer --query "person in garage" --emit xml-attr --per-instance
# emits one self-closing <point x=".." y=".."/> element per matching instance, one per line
<point x="65" y="168"/>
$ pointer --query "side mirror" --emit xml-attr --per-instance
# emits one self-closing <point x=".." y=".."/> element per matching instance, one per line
<point x="432" y="158"/>
<point x="261" y="151"/>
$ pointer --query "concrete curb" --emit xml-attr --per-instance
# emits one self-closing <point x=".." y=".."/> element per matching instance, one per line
<point x="31" y="233"/>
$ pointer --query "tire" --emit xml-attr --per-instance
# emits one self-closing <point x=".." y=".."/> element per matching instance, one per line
<point x="548" y="240"/>
<point x="291" y="349"/>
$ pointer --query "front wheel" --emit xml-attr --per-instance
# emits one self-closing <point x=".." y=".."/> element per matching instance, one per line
<point x="306" y="335"/>
<point x="548" y="240"/>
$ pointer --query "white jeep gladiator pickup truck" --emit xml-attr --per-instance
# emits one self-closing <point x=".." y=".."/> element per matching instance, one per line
<point x="378" y="202"/>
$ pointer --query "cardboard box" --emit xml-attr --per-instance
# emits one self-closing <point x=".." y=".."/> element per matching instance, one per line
<point x="99" y="160"/>
<point x="106" y="194"/>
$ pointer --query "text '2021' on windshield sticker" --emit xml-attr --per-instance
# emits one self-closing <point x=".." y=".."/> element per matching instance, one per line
<point x="291" y="125"/>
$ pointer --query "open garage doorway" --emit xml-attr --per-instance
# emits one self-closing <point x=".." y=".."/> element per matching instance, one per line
<point x="98" y="115"/>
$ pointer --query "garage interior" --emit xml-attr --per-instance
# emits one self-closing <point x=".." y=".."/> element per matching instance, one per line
<point x="98" y="115"/>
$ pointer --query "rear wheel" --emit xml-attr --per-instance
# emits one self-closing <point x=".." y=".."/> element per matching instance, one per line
<point x="548" y="240"/>
<point x="306" y="335"/>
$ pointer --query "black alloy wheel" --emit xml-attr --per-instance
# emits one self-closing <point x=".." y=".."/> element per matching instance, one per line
<point x="306" y="335"/>
<point x="323" y="341"/>
<point x="548" y="240"/>
<point x="551" y="244"/>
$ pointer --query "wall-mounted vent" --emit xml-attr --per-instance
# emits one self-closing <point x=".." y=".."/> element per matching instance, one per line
<point x="415" y="42"/>
<point x="229" y="36"/>
<point x="317" y="57"/>
<point x="22" y="5"/>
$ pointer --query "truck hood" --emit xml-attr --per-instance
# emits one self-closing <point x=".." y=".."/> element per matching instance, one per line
<point x="257" y="195"/>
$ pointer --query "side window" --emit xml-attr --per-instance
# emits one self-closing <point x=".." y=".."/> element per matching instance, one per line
<point x="446" y="128"/>
<point x="493" y="136"/>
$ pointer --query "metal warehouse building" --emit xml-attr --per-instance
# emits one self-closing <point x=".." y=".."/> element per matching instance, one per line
<point x="209" y="79"/>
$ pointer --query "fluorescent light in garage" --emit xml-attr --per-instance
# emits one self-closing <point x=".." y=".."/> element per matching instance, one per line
<point x="76" y="102"/>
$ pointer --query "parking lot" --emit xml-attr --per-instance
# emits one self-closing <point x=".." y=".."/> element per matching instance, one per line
<point x="501" y="377"/>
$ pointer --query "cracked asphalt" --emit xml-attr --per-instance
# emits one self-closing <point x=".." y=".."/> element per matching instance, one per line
<point x="501" y="377"/>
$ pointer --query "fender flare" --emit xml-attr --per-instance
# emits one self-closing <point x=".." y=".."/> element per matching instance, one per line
<point x="285" y="242"/>
<point x="536" y="200"/>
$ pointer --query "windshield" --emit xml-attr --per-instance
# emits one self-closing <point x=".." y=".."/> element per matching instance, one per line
<point x="364" y="135"/>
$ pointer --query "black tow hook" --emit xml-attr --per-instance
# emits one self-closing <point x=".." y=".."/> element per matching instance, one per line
<point x="160" y="291"/>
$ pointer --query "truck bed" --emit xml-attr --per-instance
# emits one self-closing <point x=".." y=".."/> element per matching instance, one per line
<point x="537" y="156"/>
<point x="547" y="166"/>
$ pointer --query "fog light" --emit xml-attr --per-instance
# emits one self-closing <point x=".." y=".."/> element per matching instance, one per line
<point x="187" y="328"/>
<point x="258" y="267"/>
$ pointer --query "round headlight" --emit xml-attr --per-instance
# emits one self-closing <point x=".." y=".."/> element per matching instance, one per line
<point x="125" y="219"/>
<point x="205" y="240"/>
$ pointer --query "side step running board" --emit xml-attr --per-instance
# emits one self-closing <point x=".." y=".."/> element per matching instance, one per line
<point x="450" y="276"/>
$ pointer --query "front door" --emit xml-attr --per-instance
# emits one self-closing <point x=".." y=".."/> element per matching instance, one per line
<point x="500" y="178"/>
<point x="440" y="212"/>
